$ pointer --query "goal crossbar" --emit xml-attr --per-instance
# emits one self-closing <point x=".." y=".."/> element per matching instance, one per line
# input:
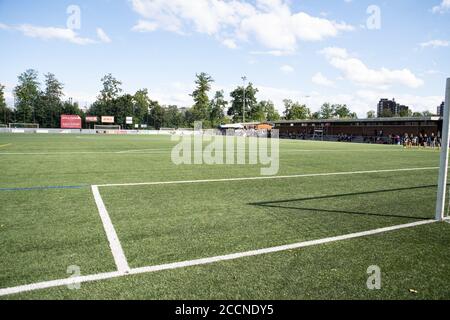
<point x="19" y="125"/>
<point x="107" y="127"/>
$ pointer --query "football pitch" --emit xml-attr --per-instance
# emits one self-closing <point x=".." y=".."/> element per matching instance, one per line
<point x="112" y="217"/>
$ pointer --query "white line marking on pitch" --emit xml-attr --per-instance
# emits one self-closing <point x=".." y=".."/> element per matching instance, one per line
<point x="145" y="151"/>
<point x="265" y="177"/>
<point x="114" y="243"/>
<point x="203" y="261"/>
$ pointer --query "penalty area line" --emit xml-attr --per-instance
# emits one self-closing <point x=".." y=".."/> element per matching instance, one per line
<point x="306" y="175"/>
<point x="113" y="239"/>
<point x="203" y="261"/>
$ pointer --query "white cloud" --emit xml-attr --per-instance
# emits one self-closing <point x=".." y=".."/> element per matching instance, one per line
<point x="205" y="16"/>
<point x="435" y="43"/>
<point x="270" y="22"/>
<point x="281" y="30"/>
<point x="8" y="93"/>
<point x="275" y="53"/>
<point x="442" y="8"/>
<point x="434" y="72"/>
<point x="103" y="36"/>
<point x="356" y="71"/>
<point x="47" y="33"/>
<point x="229" y="43"/>
<point x="145" y="26"/>
<point x="321" y="80"/>
<point x="56" y="33"/>
<point x="4" y="26"/>
<point x="287" y="69"/>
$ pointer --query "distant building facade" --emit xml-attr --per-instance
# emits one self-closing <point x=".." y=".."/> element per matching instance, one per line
<point x="440" y="110"/>
<point x="390" y="108"/>
<point x="362" y="128"/>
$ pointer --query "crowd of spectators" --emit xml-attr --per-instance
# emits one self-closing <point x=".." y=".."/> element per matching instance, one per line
<point x="345" y="138"/>
<point x="421" y="141"/>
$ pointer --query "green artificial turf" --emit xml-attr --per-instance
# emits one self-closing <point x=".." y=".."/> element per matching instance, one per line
<point x="42" y="232"/>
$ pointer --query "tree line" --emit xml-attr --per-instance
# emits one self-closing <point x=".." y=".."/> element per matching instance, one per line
<point x="404" y="113"/>
<point x="45" y="103"/>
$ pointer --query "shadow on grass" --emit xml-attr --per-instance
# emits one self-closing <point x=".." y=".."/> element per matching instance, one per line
<point x="281" y="204"/>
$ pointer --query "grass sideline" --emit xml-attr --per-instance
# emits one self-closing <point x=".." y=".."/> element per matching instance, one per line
<point x="163" y="224"/>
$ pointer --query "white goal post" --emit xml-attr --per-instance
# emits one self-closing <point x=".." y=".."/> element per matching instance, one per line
<point x="443" y="170"/>
<point x="23" y="125"/>
<point x="107" y="127"/>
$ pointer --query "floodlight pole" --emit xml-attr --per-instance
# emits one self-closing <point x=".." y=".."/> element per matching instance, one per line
<point x="244" y="78"/>
<point x="443" y="170"/>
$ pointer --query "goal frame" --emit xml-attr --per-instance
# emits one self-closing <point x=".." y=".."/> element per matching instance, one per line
<point x="24" y="125"/>
<point x="107" y="127"/>
<point x="443" y="168"/>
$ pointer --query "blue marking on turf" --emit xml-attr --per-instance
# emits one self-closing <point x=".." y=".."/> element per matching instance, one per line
<point x="42" y="188"/>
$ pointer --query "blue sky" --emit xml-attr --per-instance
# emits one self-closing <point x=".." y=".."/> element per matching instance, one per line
<point x="312" y="51"/>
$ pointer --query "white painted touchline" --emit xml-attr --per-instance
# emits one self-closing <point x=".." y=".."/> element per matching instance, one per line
<point x="265" y="177"/>
<point x="114" y="243"/>
<point x="204" y="261"/>
<point x="145" y="151"/>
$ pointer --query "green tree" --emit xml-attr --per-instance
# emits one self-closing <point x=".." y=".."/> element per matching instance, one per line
<point x="341" y="111"/>
<point x="111" y="88"/>
<point x="315" y="115"/>
<point x="189" y="118"/>
<point x="200" y="95"/>
<point x="264" y="111"/>
<point x="258" y="112"/>
<point x="386" y="113"/>
<point x="27" y="94"/>
<point x="106" y="104"/>
<point x="371" y="114"/>
<point x="405" y="113"/>
<point x="51" y="108"/>
<point x="141" y="106"/>
<point x="217" y="109"/>
<point x="295" y="110"/>
<point x="156" y="115"/>
<point x="172" y="117"/>
<point x="327" y="111"/>
<point x="237" y="102"/>
<point x="123" y="106"/>
<point x="271" y="114"/>
<point x="5" y="112"/>
<point x="69" y="107"/>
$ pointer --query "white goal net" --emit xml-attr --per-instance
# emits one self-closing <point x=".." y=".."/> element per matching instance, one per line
<point x="24" y="125"/>
<point x="443" y="204"/>
<point x="107" y="127"/>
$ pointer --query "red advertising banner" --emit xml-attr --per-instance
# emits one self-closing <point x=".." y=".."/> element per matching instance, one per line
<point x="70" y="122"/>
<point x="91" y="119"/>
<point x="107" y="119"/>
